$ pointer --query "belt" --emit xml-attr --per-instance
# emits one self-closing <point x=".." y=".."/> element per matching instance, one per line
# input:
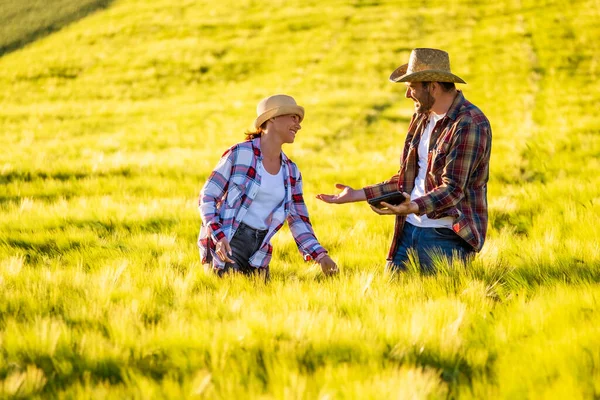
<point x="258" y="231"/>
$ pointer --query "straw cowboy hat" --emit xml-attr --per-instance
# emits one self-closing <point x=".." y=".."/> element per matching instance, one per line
<point x="426" y="65"/>
<point x="278" y="104"/>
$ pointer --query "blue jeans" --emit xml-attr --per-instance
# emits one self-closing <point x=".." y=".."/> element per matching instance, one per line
<point x="428" y="244"/>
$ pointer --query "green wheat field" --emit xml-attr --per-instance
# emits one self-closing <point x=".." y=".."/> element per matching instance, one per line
<point x="113" y="114"/>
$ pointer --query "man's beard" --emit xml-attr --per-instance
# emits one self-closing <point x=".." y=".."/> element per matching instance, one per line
<point x="425" y="103"/>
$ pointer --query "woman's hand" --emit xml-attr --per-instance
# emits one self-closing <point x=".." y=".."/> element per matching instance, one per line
<point x="328" y="266"/>
<point x="223" y="250"/>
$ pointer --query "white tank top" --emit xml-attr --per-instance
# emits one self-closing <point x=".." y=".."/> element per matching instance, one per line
<point x="419" y="190"/>
<point x="270" y="194"/>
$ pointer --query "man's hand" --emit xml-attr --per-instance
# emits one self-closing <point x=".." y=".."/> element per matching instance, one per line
<point x="328" y="266"/>
<point x="405" y="208"/>
<point x="223" y="250"/>
<point x="347" y="195"/>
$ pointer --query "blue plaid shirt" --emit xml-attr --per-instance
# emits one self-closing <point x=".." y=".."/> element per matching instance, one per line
<point x="229" y="191"/>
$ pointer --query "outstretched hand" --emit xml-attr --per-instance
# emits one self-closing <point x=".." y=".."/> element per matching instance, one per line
<point x="347" y="195"/>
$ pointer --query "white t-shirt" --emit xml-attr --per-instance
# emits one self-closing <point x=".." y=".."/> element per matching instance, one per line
<point x="419" y="189"/>
<point x="270" y="194"/>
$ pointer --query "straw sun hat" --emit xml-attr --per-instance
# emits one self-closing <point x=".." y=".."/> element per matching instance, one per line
<point x="426" y="65"/>
<point x="273" y="106"/>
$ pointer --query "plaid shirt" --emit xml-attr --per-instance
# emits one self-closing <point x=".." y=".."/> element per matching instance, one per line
<point x="228" y="193"/>
<point x="457" y="172"/>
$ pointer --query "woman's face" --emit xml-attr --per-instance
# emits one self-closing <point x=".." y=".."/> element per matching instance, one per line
<point x="286" y="127"/>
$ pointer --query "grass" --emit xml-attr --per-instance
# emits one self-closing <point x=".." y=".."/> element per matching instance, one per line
<point x="27" y="21"/>
<point x="111" y="124"/>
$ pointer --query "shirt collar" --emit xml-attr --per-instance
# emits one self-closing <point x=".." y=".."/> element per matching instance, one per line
<point x="258" y="152"/>
<point x="256" y="147"/>
<point x="454" y="109"/>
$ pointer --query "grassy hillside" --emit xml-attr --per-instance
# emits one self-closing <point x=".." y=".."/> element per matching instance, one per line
<point x="23" y="22"/>
<point x="111" y="125"/>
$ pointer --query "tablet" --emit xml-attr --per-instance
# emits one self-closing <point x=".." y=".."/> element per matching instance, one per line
<point x="390" y="198"/>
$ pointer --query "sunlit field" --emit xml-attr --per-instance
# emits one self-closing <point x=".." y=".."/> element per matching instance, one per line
<point x="112" y="120"/>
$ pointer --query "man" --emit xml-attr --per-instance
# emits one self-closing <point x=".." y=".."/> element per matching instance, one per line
<point x="444" y="167"/>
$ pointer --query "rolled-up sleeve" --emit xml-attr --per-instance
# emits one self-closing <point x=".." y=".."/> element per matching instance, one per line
<point x="300" y="225"/>
<point x="213" y="193"/>
<point x="389" y="186"/>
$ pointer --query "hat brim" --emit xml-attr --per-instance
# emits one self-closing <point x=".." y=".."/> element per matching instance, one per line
<point x="277" y="111"/>
<point x="400" y="75"/>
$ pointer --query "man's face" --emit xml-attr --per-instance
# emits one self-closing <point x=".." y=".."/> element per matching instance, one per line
<point x="420" y="95"/>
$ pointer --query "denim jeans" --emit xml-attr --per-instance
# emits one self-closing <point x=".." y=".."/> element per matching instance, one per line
<point x="244" y="244"/>
<point x="428" y="244"/>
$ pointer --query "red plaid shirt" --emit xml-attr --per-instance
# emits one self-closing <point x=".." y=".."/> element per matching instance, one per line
<point x="457" y="172"/>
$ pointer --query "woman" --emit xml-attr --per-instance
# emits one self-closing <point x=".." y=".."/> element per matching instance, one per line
<point x="250" y="194"/>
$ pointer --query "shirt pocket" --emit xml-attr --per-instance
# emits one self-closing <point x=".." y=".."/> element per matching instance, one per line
<point x="234" y="195"/>
<point x="438" y="162"/>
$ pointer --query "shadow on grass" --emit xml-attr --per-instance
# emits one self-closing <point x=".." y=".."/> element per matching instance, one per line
<point x="455" y="370"/>
<point x="90" y="238"/>
<point x="25" y="21"/>
<point x="65" y="192"/>
<point x="63" y="176"/>
<point x="569" y="270"/>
